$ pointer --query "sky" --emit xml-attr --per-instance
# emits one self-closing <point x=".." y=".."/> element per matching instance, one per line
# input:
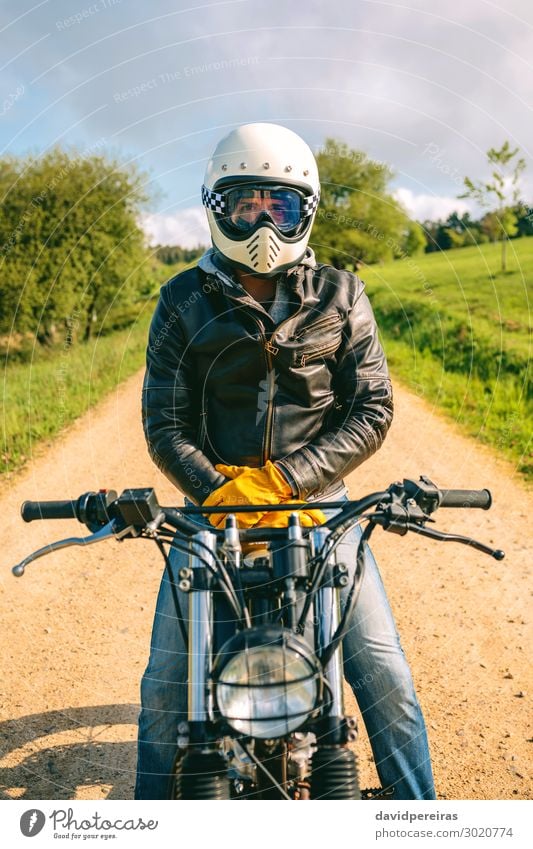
<point x="424" y="86"/>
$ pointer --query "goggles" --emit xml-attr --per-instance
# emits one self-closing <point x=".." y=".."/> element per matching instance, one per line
<point x="241" y="207"/>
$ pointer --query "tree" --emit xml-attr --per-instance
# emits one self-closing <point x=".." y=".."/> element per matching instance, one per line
<point x="524" y="220"/>
<point x="501" y="192"/>
<point x="70" y="243"/>
<point x="172" y="254"/>
<point x="358" y="220"/>
<point x="456" y="232"/>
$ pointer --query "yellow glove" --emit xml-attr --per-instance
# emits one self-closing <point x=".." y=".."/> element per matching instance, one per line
<point x="308" y="518"/>
<point x="265" y="485"/>
<point x="252" y="479"/>
<point x="264" y="482"/>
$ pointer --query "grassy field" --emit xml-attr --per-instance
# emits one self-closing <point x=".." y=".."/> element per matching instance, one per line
<point x="458" y="332"/>
<point x="41" y="397"/>
<point x="50" y="388"/>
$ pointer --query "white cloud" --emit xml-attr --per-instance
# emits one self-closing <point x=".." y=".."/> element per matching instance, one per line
<point x="187" y="227"/>
<point x="165" y="87"/>
<point x="429" y="207"/>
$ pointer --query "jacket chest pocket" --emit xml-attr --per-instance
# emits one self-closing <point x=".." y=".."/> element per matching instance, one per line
<point x="319" y="339"/>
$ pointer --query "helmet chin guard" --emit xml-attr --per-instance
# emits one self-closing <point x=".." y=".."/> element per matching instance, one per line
<point x="264" y="154"/>
<point x="264" y="253"/>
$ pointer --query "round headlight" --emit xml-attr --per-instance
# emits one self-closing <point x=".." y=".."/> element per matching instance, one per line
<point x="267" y="682"/>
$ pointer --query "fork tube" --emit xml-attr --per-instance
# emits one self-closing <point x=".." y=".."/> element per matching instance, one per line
<point x="200" y="633"/>
<point x="327" y="610"/>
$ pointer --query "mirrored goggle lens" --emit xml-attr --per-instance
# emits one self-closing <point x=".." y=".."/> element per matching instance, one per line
<point x="244" y="205"/>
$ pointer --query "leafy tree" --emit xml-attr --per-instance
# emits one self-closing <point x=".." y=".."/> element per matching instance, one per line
<point x="358" y="220"/>
<point x="469" y="229"/>
<point x="172" y="254"/>
<point x="501" y="192"/>
<point x="524" y="220"/>
<point x="456" y="232"/>
<point x="463" y="227"/>
<point x="491" y="226"/>
<point x="71" y="247"/>
<point x="414" y="239"/>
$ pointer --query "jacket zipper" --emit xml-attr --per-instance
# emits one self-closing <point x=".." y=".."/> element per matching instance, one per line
<point x="269" y="350"/>
<point x="203" y="427"/>
<point x="271" y="381"/>
<point x="320" y="323"/>
<point x="304" y="358"/>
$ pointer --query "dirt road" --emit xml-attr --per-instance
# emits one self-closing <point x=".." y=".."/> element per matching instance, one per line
<point x="75" y="630"/>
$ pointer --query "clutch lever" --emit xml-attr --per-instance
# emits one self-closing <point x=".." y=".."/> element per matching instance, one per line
<point x="106" y="532"/>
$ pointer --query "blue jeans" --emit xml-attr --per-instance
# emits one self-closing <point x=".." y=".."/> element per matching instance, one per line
<point x="374" y="665"/>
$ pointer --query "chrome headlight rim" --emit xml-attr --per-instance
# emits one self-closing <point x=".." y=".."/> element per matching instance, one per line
<point x="277" y="724"/>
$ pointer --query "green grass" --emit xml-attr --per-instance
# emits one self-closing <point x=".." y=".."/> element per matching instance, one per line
<point x="458" y="332"/>
<point x="41" y="397"/>
<point x="47" y="389"/>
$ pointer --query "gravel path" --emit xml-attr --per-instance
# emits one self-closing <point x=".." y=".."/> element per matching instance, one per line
<point x="76" y="628"/>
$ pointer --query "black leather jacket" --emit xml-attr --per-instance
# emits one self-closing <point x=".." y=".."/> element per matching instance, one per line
<point x="223" y="384"/>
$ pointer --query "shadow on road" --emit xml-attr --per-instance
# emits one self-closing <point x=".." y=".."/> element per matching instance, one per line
<point x="71" y="753"/>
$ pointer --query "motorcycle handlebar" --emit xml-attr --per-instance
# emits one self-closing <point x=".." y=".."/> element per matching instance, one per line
<point x="99" y="507"/>
<point x="402" y="507"/>
<point x="480" y="498"/>
<point x="32" y="510"/>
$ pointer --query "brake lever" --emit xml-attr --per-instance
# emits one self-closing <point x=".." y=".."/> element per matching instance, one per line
<point x="106" y="532"/>
<point x="497" y="553"/>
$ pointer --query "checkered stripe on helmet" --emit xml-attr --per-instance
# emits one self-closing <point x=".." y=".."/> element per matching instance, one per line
<point x="213" y="200"/>
<point x="310" y="204"/>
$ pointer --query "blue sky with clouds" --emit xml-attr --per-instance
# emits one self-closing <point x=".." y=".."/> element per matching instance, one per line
<point x="425" y="87"/>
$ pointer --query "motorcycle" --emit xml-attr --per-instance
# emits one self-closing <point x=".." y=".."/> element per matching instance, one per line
<point x="266" y="716"/>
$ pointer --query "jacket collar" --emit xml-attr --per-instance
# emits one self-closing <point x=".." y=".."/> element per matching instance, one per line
<point x="213" y="262"/>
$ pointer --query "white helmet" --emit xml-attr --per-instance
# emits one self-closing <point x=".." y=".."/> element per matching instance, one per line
<point x="261" y="191"/>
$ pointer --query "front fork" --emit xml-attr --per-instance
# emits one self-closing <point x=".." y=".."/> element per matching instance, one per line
<point x="327" y="611"/>
<point x="333" y="765"/>
<point x="200" y="769"/>
<point x="200" y="633"/>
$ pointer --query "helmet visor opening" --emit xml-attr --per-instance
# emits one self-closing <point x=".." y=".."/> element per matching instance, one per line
<point x="244" y="205"/>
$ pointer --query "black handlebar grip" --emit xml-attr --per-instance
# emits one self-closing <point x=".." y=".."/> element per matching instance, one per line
<point x="32" y="510"/>
<point x="466" y="498"/>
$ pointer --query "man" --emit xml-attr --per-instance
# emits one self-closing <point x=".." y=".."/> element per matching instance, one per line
<point x="266" y="382"/>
